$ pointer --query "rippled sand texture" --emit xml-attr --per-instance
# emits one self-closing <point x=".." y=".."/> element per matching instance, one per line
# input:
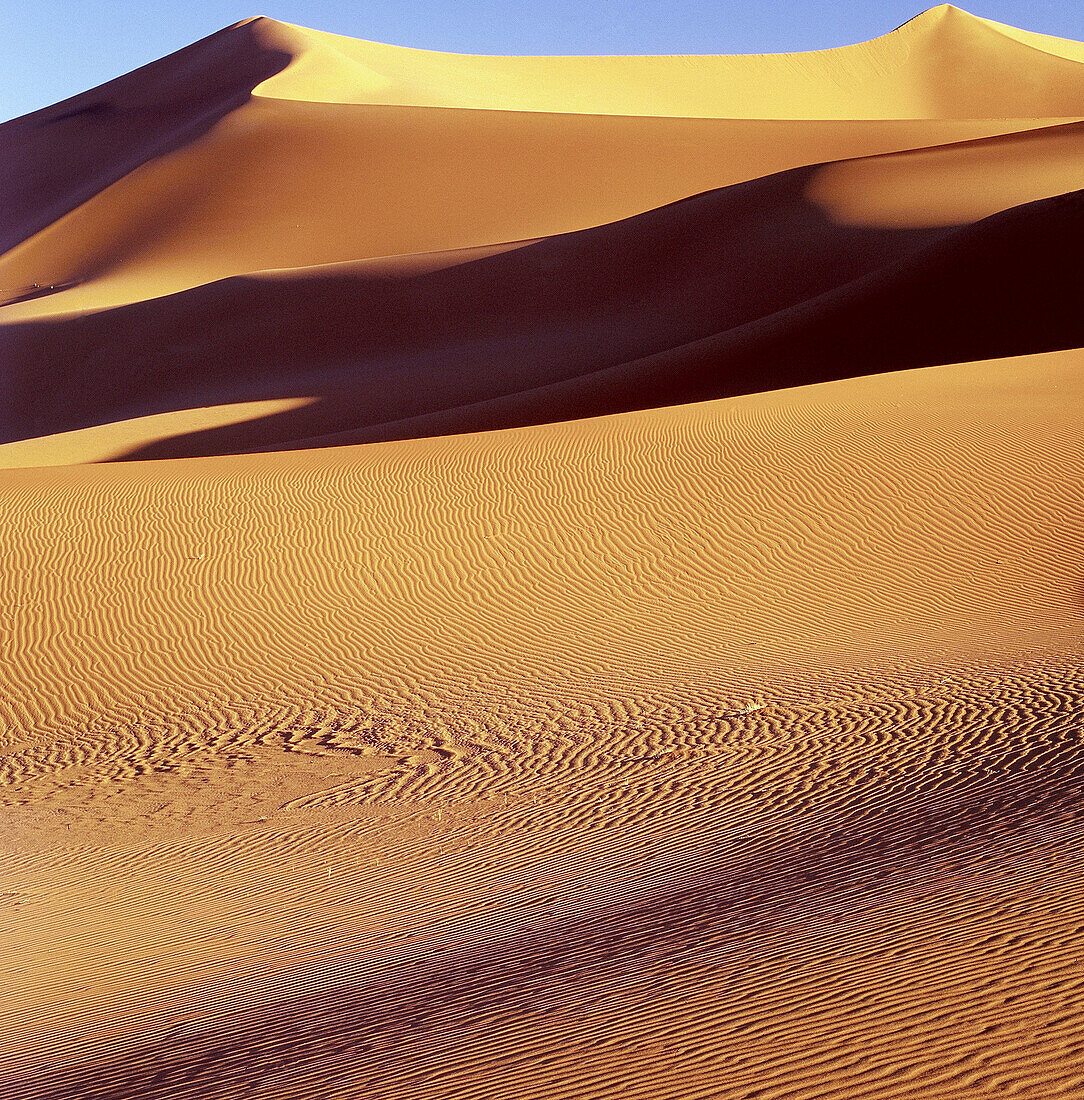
<point x="545" y="577"/>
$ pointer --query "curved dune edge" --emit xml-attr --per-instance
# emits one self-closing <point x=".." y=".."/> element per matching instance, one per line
<point x="435" y="750"/>
<point x="912" y="73"/>
<point x="593" y="602"/>
<point x="691" y="302"/>
<point x="107" y="442"/>
<point x="345" y="183"/>
<point x="155" y="191"/>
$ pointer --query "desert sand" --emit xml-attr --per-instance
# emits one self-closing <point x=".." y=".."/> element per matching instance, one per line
<point x="545" y="577"/>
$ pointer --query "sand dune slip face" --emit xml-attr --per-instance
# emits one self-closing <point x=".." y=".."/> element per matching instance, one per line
<point x="545" y="577"/>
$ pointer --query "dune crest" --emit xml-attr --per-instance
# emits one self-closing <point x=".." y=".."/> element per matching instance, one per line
<point x="944" y="63"/>
<point x="552" y="577"/>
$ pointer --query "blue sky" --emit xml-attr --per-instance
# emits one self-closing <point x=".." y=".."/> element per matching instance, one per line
<point x="52" y="49"/>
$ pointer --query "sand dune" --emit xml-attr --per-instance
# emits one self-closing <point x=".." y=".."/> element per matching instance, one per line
<point x="206" y="165"/>
<point x="731" y="292"/>
<point x="593" y="602"/>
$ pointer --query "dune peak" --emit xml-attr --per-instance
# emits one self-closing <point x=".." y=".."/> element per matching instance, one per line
<point x="545" y="576"/>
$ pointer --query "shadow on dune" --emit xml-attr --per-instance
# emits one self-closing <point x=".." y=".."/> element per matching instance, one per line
<point x="944" y="819"/>
<point x="112" y="130"/>
<point x="744" y="289"/>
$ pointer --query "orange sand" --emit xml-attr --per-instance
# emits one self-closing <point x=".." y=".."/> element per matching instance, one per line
<point x="592" y="603"/>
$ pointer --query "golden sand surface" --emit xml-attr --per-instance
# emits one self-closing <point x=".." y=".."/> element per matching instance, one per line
<point x="545" y="577"/>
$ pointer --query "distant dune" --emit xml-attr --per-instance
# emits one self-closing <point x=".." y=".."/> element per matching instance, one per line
<point x="542" y="577"/>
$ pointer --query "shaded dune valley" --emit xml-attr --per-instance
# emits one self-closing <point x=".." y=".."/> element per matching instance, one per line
<point x="536" y="577"/>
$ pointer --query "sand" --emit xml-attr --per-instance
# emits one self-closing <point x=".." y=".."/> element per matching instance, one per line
<point x="545" y="576"/>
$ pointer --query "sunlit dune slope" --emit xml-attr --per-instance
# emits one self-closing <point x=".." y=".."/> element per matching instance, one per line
<point x="945" y="63"/>
<point x="760" y="710"/>
<point x="683" y="522"/>
<point x="236" y="155"/>
<point x="593" y="603"/>
<point x="747" y="288"/>
<point x="298" y="184"/>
